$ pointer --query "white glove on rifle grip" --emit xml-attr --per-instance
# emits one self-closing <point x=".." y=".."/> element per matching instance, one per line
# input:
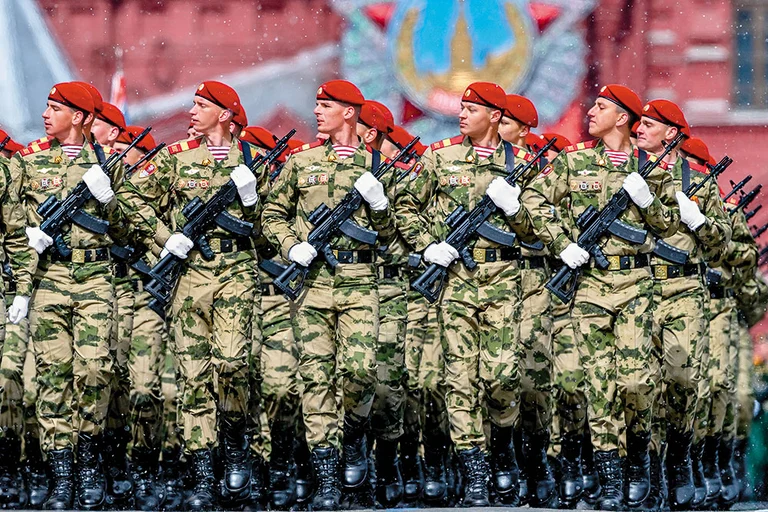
<point x="38" y="239"/>
<point x="372" y="191"/>
<point x="178" y="245"/>
<point x="99" y="184"/>
<point x="504" y="196"/>
<point x="19" y="309"/>
<point x="638" y="190"/>
<point x="574" y="256"/>
<point x="302" y="253"/>
<point x="245" y="182"/>
<point x="689" y="212"/>
<point x="442" y="254"/>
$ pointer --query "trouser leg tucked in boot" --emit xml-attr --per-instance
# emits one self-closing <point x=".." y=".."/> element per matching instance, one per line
<point x="325" y="462"/>
<point x="504" y="467"/>
<point x="571" y="480"/>
<point x="62" y="489"/>
<point x="91" y="483"/>
<point x="679" y="469"/>
<point x="389" y="481"/>
<point x="611" y="480"/>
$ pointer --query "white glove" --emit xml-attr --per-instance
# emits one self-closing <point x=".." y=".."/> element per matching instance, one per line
<point x="372" y="191"/>
<point x="19" y="309"/>
<point x="178" y="245"/>
<point x="638" y="190"/>
<point x="574" y="256"/>
<point x="245" y="182"/>
<point x="38" y="240"/>
<point x="302" y="253"/>
<point x="689" y="212"/>
<point x="442" y="254"/>
<point x="504" y="195"/>
<point x="99" y="184"/>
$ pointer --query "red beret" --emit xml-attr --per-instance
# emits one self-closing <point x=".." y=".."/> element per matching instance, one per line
<point x="373" y="116"/>
<point x="220" y="94"/>
<point x="292" y="144"/>
<point x="112" y="115"/>
<point x="560" y="144"/>
<point x="633" y="130"/>
<point x="240" y="117"/>
<point x="11" y="145"/>
<point x="340" y="90"/>
<point x="624" y="97"/>
<point x="487" y="94"/>
<point x="521" y="108"/>
<point x="258" y="136"/>
<point x="387" y="113"/>
<point x="401" y="138"/>
<point x="129" y="134"/>
<point x="696" y="147"/>
<point x="98" y="101"/>
<point x="666" y="112"/>
<point x="73" y="95"/>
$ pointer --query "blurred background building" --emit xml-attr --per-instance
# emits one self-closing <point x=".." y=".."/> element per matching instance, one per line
<point x="414" y="55"/>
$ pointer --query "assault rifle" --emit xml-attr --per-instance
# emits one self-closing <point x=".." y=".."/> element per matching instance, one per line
<point x="595" y="225"/>
<point x="746" y="199"/>
<point x="751" y="214"/>
<point x="759" y="231"/>
<point x="57" y="214"/>
<point x="737" y="187"/>
<point x="6" y="140"/>
<point x="146" y="158"/>
<point x="465" y="226"/>
<point x="762" y="256"/>
<point x="328" y="223"/>
<point x="668" y="251"/>
<point x="200" y="218"/>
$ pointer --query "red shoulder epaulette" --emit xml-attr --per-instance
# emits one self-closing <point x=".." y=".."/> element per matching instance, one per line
<point x="581" y="145"/>
<point x="184" y="145"/>
<point x="446" y="142"/>
<point x="37" y="146"/>
<point x="703" y="169"/>
<point x="522" y="153"/>
<point x="307" y="146"/>
<point x="401" y="165"/>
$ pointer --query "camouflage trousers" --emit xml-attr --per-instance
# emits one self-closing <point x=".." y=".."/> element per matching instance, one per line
<point x="69" y="322"/>
<point x="389" y="402"/>
<point x="212" y="313"/>
<point x="536" y="350"/>
<point x="336" y="328"/>
<point x="120" y="345"/>
<point x="479" y="321"/>
<point x="723" y="364"/>
<point x="680" y="330"/>
<point x="12" y="357"/>
<point x="613" y="322"/>
<point x="745" y="393"/>
<point x="169" y="384"/>
<point x="146" y="360"/>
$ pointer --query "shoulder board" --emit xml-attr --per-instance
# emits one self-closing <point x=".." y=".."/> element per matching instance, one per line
<point x="703" y="169"/>
<point x="401" y="165"/>
<point x="37" y="146"/>
<point x="581" y="145"/>
<point x="308" y="146"/>
<point x="522" y="153"/>
<point x="184" y="145"/>
<point x="446" y="142"/>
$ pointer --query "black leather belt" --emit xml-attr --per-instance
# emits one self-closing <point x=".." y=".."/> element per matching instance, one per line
<point x="121" y="269"/>
<point x="531" y="262"/>
<point x="720" y="292"/>
<point x="625" y="262"/>
<point x="494" y="255"/>
<point x="389" y="271"/>
<point x="355" y="256"/>
<point x="227" y="245"/>
<point x="80" y="256"/>
<point x="269" y="290"/>
<point x="671" y="271"/>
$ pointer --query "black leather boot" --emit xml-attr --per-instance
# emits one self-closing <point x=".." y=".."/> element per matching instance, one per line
<point x="520" y="441"/>
<point x="679" y="469"/>
<point x="611" y="480"/>
<point x="699" y="482"/>
<point x="282" y="468"/>
<point x="91" y="483"/>
<point x="305" y="479"/>
<point x="638" y="474"/>
<point x="203" y="496"/>
<point x="655" y="500"/>
<point x="413" y="476"/>
<point x="237" y="463"/>
<point x="35" y="473"/>
<point x="355" y="453"/>
<point x="389" y="481"/>
<point x="504" y="468"/>
<point x="171" y="479"/>
<point x="147" y="494"/>
<point x="325" y="462"/>
<point x="13" y="493"/>
<point x="739" y="465"/>
<point x="476" y="475"/>
<point x="541" y="481"/>
<point x="257" y="493"/>
<point x="61" y="466"/>
<point x="571" y="481"/>
<point x="119" y="485"/>
<point x="730" y="491"/>
<point x="590" y="478"/>
<point x="436" y="456"/>
<point x="712" y="469"/>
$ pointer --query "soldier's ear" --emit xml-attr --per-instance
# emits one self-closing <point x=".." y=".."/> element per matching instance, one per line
<point x="225" y="116"/>
<point x="495" y="116"/>
<point x="78" y="117"/>
<point x="351" y="112"/>
<point x="622" y="120"/>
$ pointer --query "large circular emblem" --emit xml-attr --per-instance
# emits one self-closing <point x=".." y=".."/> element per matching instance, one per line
<point x="438" y="47"/>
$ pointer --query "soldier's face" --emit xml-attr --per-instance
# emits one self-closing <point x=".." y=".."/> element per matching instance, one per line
<point x="105" y="133"/>
<point x="651" y="133"/>
<point x="206" y="115"/>
<point x="388" y="149"/>
<point x="132" y="156"/>
<point x="331" y="115"/>
<point x="475" y="120"/>
<point x="58" y="119"/>
<point x="512" y="130"/>
<point x="603" y="117"/>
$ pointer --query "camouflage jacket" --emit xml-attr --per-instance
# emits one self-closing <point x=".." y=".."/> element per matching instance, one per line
<point x="736" y="261"/>
<point x="396" y="253"/>
<point x="42" y="170"/>
<point x="450" y="174"/>
<point x="5" y="180"/>
<point x="314" y="175"/>
<point x="582" y="175"/>
<point x="179" y="173"/>
<point x="714" y="233"/>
